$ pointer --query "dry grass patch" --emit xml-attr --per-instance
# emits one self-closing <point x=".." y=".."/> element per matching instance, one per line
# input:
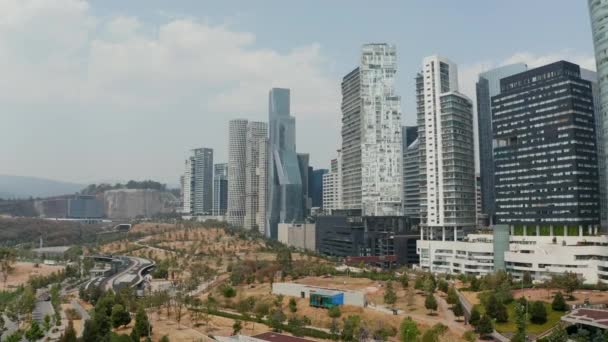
<point x="23" y="271"/>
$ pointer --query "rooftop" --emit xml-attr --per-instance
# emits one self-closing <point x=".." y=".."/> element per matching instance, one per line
<point x="593" y="317"/>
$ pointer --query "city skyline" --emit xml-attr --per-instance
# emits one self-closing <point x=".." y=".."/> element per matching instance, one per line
<point x="70" y="92"/>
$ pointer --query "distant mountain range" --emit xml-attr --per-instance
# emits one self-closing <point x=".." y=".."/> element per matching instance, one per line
<point x="25" y="187"/>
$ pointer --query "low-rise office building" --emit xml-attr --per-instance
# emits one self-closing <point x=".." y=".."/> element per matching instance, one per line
<point x="540" y="253"/>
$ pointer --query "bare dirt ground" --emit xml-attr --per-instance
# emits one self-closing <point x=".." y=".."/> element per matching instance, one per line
<point x="373" y="318"/>
<point x="25" y="270"/>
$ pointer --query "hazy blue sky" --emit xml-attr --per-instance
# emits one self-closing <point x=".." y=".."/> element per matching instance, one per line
<point x="114" y="89"/>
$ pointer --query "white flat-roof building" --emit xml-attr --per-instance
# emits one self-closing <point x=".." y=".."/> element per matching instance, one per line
<point x="298" y="235"/>
<point x="541" y="256"/>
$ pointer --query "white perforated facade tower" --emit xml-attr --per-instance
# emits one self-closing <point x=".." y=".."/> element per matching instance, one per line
<point x="237" y="143"/>
<point x="447" y="169"/>
<point x="371" y="134"/>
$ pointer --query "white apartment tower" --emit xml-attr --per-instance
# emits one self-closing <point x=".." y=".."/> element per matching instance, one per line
<point x="332" y="186"/>
<point x="197" y="186"/>
<point x="187" y="186"/>
<point x="237" y="142"/>
<point x="371" y="134"/>
<point x="255" y="178"/>
<point x="447" y="168"/>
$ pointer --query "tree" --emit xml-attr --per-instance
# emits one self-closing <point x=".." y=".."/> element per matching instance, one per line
<point x="559" y="304"/>
<point x="7" y="259"/>
<point x="443" y="286"/>
<point x="46" y="324"/>
<point x="334" y="312"/>
<point x="90" y="332"/>
<point x="228" y="291"/>
<point x="429" y="284"/>
<point x="469" y="336"/>
<point x="520" y="322"/>
<point x="430" y="302"/>
<point x="293" y="305"/>
<point x="142" y="325"/>
<point x="165" y="338"/>
<point x="559" y="334"/>
<point x="419" y="283"/>
<point x="69" y="335"/>
<point x="17" y="336"/>
<point x="538" y="314"/>
<point x="261" y="309"/>
<point x="390" y="297"/>
<point x="34" y="333"/>
<point x="404" y="281"/>
<point x="408" y="330"/>
<point x="475" y="316"/>
<point x="474" y="284"/>
<point x="527" y="278"/>
<point x="485" y="326"/>
<point x="120" y="316"/>
<point x="491" y="306"/>
<point x="237" y="327"/>
<point x="276" y="319"/>
<point x="452" y="296"/>
<point x="430" y="336"/>
<point x="458" y="309"/>
<point x="502" y="316"/>
<point x="284" y="258"/>
<point x="351" y="328"/>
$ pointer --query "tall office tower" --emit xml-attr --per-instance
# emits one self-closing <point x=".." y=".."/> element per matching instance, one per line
<point x="187" y="186"/>
<point x="591" y="76"/>
<point x="237" y="143"/>
<point x="351" y="141"/>
<point x="220" y="189"/>
<point x="303" y="161"/>
<point x="411" y="170"/>
<point x="257" y="135"/>
<point x="371" y="134"/>
<point x="599" y="29"/>
<point x="315" y="187"/>
<point x="545" y="155"/>
<point x="262" y="185"/>
<point x="284" y="180"/>
<point x="332" y="186"/>
<point x="478" y="205"/>
<point x="203" y="181"/>
<point x="447" y="165"/>
<point x="487" y="86"/>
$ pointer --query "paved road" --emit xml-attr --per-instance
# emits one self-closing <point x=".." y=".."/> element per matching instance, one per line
<point x="10" y="326"/>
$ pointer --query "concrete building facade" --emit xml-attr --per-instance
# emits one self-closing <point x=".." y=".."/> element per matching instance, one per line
<point x="298" y="235"/>
<point x="237" y="155"/>
<point x="256" y="146"/>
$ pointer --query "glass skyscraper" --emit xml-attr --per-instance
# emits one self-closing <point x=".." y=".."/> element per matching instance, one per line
<point x="488" y="85"/>
<point x="284" y="178"/>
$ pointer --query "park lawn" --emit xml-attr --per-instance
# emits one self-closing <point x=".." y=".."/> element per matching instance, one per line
<point x="553" y="318"/>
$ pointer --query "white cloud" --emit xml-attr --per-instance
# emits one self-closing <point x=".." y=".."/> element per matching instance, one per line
<point x="59" y="56"/>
